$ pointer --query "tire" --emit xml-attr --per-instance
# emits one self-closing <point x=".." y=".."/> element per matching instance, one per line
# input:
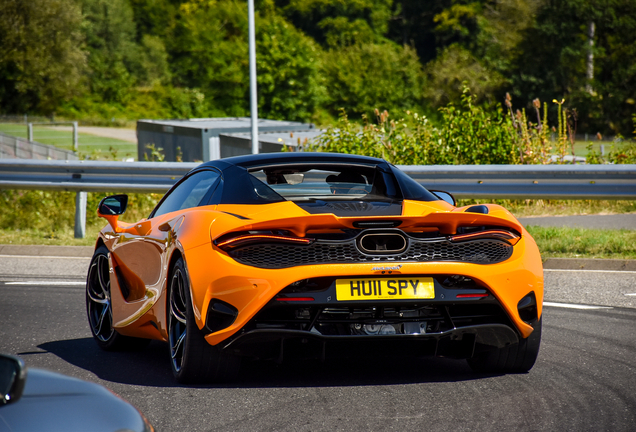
<point x="518" y="358"/>
<point x="192" y="358"/>
<point x="99" y="307"/>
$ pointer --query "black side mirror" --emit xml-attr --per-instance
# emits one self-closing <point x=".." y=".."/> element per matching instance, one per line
<point x="12" y="378"/>
<point x="444" y="196"/>
<point x="114" y="205"/>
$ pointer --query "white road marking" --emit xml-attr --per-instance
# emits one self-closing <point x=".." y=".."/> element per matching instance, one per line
<point x="44" y="257"/>
<point x="46" y="283"/>
<point x="631" y="294"/>
<point x="590" y="271"/>
<point x="575" y="306"/>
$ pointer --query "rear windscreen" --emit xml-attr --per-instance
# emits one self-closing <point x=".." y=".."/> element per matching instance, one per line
<point x="336" y="182"/>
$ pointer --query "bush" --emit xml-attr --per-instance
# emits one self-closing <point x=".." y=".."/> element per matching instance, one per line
<point x="53" y="211"/>
<point x="468" y="135"/>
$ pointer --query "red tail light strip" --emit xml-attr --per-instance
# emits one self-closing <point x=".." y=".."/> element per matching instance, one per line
<point x="497" y="234"/>
<point x="251" y="238"/>
<point x="471" y="295"/>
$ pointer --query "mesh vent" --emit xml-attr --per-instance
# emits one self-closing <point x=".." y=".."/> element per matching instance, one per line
<point x="276" y="256"/>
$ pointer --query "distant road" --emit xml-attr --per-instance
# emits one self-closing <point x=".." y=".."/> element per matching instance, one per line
<point x="618" y="221"/>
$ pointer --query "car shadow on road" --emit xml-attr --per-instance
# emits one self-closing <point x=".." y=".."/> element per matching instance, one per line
<point x="146" y="367"/>
<point x="150" y="367"/>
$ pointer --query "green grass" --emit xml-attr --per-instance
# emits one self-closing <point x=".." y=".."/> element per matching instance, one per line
<point x="527" y="208"/>
<point x="584" y="243"/>
<point x="95" y="147"/>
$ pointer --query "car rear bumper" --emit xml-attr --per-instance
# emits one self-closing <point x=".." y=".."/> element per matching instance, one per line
<point x="460" y="342"/>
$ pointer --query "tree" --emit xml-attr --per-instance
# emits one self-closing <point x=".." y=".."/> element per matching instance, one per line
<point x="211" y="53"/>
<point x="363" y="77"/>
<point x="41" y="54"/>
<point x="477" y="41"/>
<point x="553" y="61"/>
<point x="335" y="22"/>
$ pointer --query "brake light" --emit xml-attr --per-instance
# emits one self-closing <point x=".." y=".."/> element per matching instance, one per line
<point x="294" y="299"/>
<point x="471" y="295"/>
<point x="487" y="234"/>
<point x="245" y="239"/>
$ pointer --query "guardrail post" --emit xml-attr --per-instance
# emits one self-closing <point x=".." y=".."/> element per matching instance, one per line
<point x="81" y="198"/>
<point x="30" y="131"/>
<point x="75" y="144"/>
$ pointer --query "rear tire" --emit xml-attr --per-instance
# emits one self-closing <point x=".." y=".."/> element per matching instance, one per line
<point x="99" y="307"/>
<point x="518" y="358"/>
<point x="193" y="359"/>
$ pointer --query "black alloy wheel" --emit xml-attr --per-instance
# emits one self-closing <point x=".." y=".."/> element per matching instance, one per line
<point x="192" y="359"/>
<point x="99" y="307"/>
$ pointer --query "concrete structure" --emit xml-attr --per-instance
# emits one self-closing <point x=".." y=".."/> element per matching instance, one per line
<point x="199" y="139"/>
<point x="269" y="142"/>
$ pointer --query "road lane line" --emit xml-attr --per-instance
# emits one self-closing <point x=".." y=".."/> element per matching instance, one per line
<point x="631" y="294"/>
<point x="590" y="271"/>
<point x="43" y="257"/>
<point x="574" y="306"/>
<point x="78" y="283"/>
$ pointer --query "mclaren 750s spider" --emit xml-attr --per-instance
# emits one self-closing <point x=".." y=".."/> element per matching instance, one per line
<point x="267" y="255"/>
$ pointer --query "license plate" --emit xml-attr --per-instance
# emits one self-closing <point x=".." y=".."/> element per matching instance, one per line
<point x="385" y="289"/>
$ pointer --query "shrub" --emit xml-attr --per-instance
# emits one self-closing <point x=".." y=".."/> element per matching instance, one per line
<point x="469" y="134"/>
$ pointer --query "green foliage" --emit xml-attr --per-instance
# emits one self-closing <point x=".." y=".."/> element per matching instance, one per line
<point x="157" y="101"/>
<point x="619" y="153"/>
<point x="53" y="211"/>
<point x="363" y="77"/>
<point x="335" y="23"/>
<point x="41" y="55"/>
<point x="211" y="53"/>
<point x="110" y="31"/>
<point x="287" y="64"/>
<point x="477" y="134"/>
<point x="156" y="154"/>
<point x="114" y="61"/>
<point x="552" y="60"/>
<point x="467" y="134"/>
<point x="454" y="66"/>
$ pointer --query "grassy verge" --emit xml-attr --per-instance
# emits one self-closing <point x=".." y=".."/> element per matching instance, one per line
<point x="584" y="243"/>
<point x="95" y="147"/>
<point x="529" y="208"/>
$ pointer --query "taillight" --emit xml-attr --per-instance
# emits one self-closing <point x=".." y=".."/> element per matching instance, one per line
<point x="232" y="241"/>
<point x="508" y="236"/>
<point x="474" y="295"/>
<point x="294" y="299"/>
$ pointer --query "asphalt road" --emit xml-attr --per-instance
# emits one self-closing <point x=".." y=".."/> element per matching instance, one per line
<point x="584" y="378"/>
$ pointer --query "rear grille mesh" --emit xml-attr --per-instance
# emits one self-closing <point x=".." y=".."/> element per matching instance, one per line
<point x="276" y="256"/>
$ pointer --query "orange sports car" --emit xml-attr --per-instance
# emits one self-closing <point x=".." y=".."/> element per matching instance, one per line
<point x="314" y="254"/>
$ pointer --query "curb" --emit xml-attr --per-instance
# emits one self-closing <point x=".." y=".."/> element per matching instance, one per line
<point x="589" y="264"/>
<point x="550" y="263"/>
<point x="47" y="250"/>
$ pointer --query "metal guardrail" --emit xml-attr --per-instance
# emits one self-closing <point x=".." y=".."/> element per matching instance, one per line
<point x="463" y="181"/>
<point x="91" y="176"/>
<point x="529" y="181"/>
